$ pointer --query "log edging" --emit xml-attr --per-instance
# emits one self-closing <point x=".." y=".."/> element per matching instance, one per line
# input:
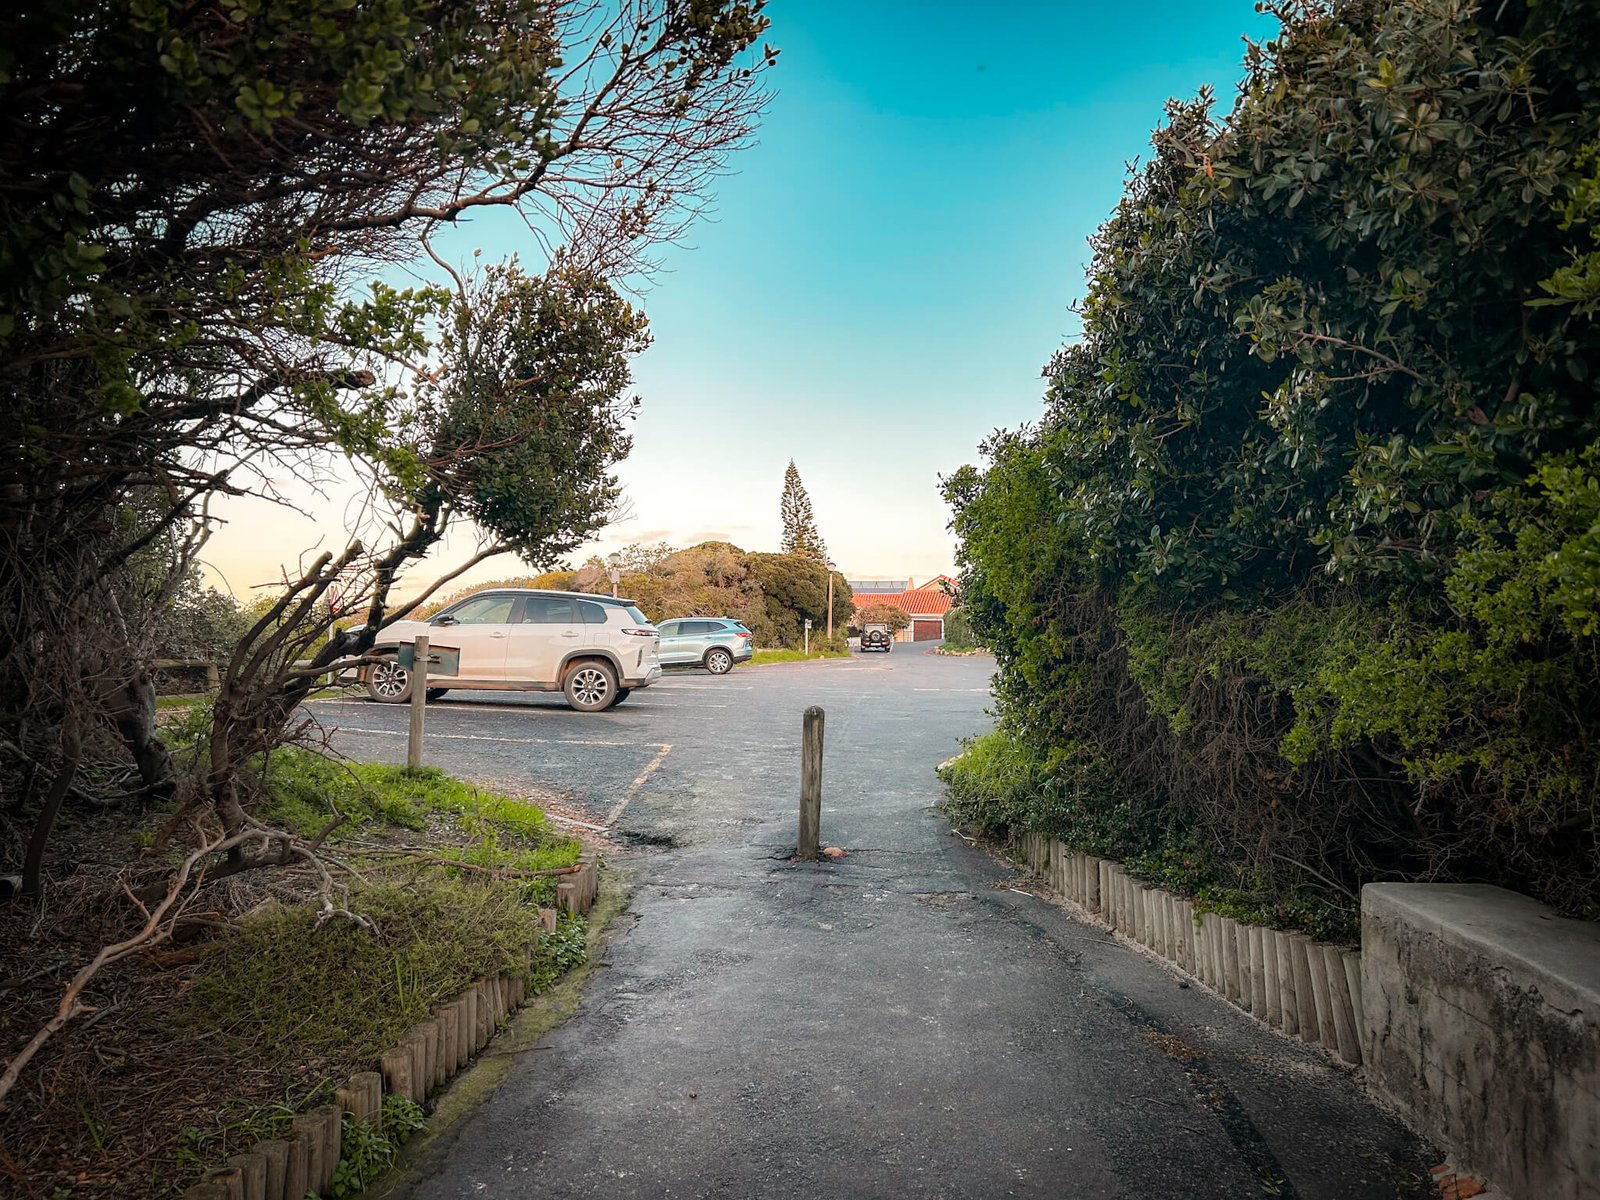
<point x="1303" y="989"/>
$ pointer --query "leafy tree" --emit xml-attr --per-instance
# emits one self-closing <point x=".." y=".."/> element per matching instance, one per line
<point x="794" y="587"/>
<point x="1295" y="561"/>
<point x="800" y="534"/>
<point x="189" y="195"/>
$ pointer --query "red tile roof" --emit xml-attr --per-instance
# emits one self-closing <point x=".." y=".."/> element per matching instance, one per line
<point x="919" y="602"/>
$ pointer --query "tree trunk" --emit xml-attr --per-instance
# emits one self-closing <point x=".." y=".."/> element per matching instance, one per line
<point x="32" y="864"/>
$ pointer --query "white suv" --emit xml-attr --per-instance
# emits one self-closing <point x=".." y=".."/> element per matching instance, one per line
<point x="595" y="649"/>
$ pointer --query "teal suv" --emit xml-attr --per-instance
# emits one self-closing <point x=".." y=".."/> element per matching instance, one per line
<point x="715" y="643"/>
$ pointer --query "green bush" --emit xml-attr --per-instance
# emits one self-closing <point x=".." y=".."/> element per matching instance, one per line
<point x="1304" y="555"/>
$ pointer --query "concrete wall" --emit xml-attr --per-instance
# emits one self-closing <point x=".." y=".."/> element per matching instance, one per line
<point x="1482" y="1027"/>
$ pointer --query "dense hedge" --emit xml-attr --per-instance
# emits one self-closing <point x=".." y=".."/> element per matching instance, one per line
<point x="1299" y="573"/>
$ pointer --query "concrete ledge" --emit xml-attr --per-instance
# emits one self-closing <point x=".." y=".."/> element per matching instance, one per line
<point x="1482" y="1027"/>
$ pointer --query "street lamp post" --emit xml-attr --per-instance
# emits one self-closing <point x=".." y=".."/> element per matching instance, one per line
<point x="614" y="569"/>
<point x="830" y="603"/>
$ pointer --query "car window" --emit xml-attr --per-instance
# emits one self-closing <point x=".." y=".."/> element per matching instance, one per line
<point x="591" y="613"/>
<point x="701" y="628"/>
<point x="484" y="610"/>
<point x="669" y="628"/>
<point x="547" y="610"/>
<point x="638" y="617"/>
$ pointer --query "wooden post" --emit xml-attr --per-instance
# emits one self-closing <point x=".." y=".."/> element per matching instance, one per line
<point x="252" y="1170"/>
<point x="419" y="702"/>
<point x="297" y="1167"/>
<point x="276" y="1155"/>
<point x="811" y="783"/>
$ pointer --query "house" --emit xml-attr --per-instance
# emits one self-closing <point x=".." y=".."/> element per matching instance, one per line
<point x="926" y="603"/>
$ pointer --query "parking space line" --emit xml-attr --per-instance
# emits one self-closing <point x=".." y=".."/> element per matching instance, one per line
<point x="633" y="788"/>
<point x="481" y="737"/>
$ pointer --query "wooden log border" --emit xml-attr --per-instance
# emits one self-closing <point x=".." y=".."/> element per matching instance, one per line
<point x="424" y="1060"/>
<point x="1306" y="990"/>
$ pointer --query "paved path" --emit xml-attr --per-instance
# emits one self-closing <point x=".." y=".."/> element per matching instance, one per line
<point x="896" y="1024"/>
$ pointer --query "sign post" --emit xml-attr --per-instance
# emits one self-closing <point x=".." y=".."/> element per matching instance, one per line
<point x="807" y="650"/>
<point x="419" y="702"/>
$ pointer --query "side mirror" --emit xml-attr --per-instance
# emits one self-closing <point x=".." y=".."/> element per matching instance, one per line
<point x="443" y="619"/>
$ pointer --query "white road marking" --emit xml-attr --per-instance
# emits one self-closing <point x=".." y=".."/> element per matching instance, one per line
<point x="633" y="788"/>
<point x="480" y="737"/>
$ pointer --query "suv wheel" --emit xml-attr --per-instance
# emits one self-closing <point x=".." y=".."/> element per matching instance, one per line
<point x="388" y="682"/>
<point x="591" y="686"/>
<point x="718" y="661"/>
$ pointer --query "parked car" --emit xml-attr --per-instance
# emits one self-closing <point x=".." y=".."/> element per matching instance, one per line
<point x="593" y="649"/>
<point x="715" y="643"/>
<point x="877" y="637"/>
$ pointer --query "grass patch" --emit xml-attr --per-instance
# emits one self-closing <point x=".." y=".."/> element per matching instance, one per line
<point x="284" y="987"/>
<point x="785" y="656"/>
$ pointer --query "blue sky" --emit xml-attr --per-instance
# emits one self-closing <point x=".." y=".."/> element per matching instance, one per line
<point x="889" y="268"/>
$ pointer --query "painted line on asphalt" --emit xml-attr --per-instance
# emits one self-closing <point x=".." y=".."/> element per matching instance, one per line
<point x="633" y="788"/>
<point x="480" y="737"/>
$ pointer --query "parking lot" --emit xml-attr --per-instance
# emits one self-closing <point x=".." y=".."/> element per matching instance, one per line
<point x="906" y="1021"/>
<point x="695" y="753"/>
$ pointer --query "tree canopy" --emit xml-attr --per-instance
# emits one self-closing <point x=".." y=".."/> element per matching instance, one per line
<point x="1298" y="561"/>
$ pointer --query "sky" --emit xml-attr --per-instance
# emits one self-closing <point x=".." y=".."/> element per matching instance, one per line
<point x="883" y="277"/>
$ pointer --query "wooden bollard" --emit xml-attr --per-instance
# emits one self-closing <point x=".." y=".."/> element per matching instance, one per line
<point x="811" y="730"/>
<point x="567" y="895"/>
<point x="1339" y="1003"/>
<point x="1092" y="877"/>
<point x="1305" y="994"/>
<point x="297" y="1167"/>
<point x="396" y="1066"/>
<point x="1269" y="970"/>
<point x="275" y="1154"/>
<point x="229" y="1179"/>
<point x="1288" y="1006"/>
<point x="547" y="919"/>
<point x="519" y="990"/>
<point x="252" y="1168"/>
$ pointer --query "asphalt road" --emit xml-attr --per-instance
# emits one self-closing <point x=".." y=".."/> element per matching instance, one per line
<point x="897" y="1023"/>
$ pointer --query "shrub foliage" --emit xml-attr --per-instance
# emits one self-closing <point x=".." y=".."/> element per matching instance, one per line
<point x="1300" y="569"/>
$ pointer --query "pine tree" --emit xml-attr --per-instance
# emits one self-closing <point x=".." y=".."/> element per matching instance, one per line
<point x="800" y="534"/>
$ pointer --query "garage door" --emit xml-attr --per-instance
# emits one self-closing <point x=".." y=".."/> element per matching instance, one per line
<point x="927" y="631"/>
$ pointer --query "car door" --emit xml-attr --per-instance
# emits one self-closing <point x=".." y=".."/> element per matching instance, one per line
<point x="549" y="629"/>
<point x="671" y="642"/>
<point x="693" y="637"/>
<point x="480" y="628"/>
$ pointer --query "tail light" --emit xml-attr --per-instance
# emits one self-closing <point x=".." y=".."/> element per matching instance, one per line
<point x="744" y="633"/>
<point x="640" y="631"/>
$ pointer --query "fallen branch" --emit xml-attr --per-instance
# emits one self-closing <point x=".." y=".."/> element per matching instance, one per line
<point x="150" y="934"/>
